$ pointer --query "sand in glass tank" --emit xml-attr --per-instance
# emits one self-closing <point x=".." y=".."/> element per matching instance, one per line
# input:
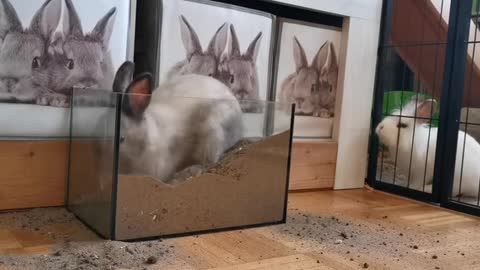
<point x="246" y="187"/>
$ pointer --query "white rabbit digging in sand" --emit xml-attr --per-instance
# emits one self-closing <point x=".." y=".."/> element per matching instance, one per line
<point x="417" y="141"/>
<point x="190" y="120"/>
<point x="312" y="87"/>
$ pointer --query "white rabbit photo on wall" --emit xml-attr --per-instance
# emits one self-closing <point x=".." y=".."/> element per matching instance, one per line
<point x="49" y="47"/>
<point x="307" y="75"/>
<point x="232" y="45"/>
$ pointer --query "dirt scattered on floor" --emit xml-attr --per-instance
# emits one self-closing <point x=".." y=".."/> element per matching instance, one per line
<point x="375" y="243"/>
<point x="380" y="241"/>
<point x="77" y="247"/>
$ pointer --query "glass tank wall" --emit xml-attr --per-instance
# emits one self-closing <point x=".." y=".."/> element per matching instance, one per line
<point x="185" y="165"/>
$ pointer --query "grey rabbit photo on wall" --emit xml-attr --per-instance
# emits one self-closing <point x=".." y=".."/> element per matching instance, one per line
<point x="23" y="51"/>
<point x="312" y="87"/>
<point x="235" y="69"/>
<point x="239" y="71"/>
<point x="62" y="57"/>
<point x="197" y="60"/>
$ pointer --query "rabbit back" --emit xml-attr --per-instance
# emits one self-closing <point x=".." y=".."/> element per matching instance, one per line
<point x="467" y="172"/>
<point x="414" y="152"/>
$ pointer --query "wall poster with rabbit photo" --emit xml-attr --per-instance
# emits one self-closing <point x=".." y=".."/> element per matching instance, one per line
<point x="307" y="74"/>
<point x="231" y="44"/>
<point x="48" y="47"/>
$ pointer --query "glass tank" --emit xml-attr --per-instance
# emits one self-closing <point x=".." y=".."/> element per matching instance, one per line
<point x="184" y="165"/>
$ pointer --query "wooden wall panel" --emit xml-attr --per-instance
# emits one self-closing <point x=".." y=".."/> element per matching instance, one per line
<point x="33" y="173"/>
<point x="313" y="165"/>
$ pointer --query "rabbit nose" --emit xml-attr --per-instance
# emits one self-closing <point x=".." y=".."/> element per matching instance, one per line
<point x="10" y="82"/>
<point x="87" y="83"/>
<point x="379" y="128"/>
<point x="299" y="101"/>
<point x="242" y="93"/>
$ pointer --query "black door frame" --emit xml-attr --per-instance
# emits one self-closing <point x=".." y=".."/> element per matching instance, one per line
<point x="450" y="104"/>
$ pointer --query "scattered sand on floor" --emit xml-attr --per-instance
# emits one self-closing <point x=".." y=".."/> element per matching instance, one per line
<point x="78" y="247"/>
<point x="378" y="244"/>
<point x="375" y="243"/>
<point x="387" y="173"/>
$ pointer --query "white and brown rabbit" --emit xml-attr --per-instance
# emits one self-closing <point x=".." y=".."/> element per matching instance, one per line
<point x="413" y="143"/>
<point x="239" y="72"/>
<point x="76" y="59"/>
<point x="312" y="87"/>
<point x="23" y="52"/>
<point x="190" y="120"/>
<point x="197" y="60"/>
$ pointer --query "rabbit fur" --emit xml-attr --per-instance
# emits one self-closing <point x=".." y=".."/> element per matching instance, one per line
<point x="239" y="72"/>
<point x="198" y="61"/>
<point x="312" y="87"/>
<point x="399" y="128"/>
<point x="189" y="120"/>
<point x="23" y="52"/>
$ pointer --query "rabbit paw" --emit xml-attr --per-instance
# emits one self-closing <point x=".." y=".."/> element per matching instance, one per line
<point x="187" y="173"/>
<point x="251" y="108"/>
<point x="322" y="113"/>
<point x="53" y="99"/>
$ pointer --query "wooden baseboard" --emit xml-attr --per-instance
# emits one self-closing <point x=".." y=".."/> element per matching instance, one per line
<point x="33" y="173"/>
<point x="313" y="165"/>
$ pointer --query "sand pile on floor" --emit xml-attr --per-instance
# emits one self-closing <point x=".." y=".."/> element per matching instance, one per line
<point x="355" y="242"/>
<point x="78" y="247"/>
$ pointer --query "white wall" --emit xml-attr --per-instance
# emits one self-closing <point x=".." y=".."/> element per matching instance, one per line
<point x="358" y="59"/>
<point x="369" y="10"/>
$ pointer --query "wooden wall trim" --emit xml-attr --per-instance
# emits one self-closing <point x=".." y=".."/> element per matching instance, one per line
<point x="313" y="165"/>
<point x="33" y="173"/>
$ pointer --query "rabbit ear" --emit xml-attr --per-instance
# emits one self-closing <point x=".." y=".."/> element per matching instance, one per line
<point x="189" y="38"/>
<point x="139" y="93"/>
<point x="325" y="60"/>
<point x="123" y="77"/>
<point x="219" y="41"/>
<point x="299" y="55"/>
<point x="9" y="21"/>
<point x="46" y="20"/>
<point x="252" y="51"/>
<point x="426" y="108"/>
<point x="72" y="25"/>
<point x="234" y="49"/>
<point x="104" y="28"/>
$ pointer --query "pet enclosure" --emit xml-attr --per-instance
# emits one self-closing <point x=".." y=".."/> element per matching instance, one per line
<point x="424" y="135"/>
<point x="246" y="187"/>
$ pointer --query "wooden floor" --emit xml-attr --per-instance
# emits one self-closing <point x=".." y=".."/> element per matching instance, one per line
<point x="393" y="234"/>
